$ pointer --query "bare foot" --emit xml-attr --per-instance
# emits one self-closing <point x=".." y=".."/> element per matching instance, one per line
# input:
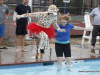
<point x="17" y="50"/>
<point x="92" y="47"/>
<point x="92" y="50"/>
<point x="23" y="50"/>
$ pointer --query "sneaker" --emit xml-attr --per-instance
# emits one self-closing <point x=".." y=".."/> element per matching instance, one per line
<point x="37" y="54"/>
<point x="4" y="48"/>
<point x="42" y="51"/>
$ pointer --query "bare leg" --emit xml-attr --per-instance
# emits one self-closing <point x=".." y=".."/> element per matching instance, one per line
<point x="0" y="42"/>
<point x="22" y="41"/>
<point x="17" y="43"/>
<point x="92" y="49"/>
<point x="68" y="63"/>
<point x="59" y="63"/>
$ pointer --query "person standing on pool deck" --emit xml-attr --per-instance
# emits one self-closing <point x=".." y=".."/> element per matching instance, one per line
<point x="96" y="25"/>
<point x="62" y="44"/>
<point x="3" y="10"/>
<point x="20" y="24"/>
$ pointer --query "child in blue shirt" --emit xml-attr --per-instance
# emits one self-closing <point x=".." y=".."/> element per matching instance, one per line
<point x="62" y="44"/>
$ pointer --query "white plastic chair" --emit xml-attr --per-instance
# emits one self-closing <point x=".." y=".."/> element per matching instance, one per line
<point x="87" y="25"/>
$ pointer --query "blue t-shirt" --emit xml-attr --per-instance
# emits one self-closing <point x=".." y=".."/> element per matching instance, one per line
<point x="64" y="36"/>
<point x="22" y="9"/>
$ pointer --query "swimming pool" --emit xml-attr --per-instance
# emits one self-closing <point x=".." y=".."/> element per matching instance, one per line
<point x="79" y="67"/>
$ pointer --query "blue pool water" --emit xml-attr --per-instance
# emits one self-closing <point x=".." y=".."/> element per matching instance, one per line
<point x="79" y="67"/>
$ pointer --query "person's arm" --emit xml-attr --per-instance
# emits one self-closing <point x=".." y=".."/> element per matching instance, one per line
<point x="29" y="18"/>
<point x="80" y="28"/>
<point x="7" y="13"/>
<point x="92" y="14"/>
<point x="14" y="19"/>
<point x="15" y="14"/>
<point x="54" y="23"/>
<point x="55" y="34"/>
<point x="35" y="15"/>
<point x="91" y="20"/>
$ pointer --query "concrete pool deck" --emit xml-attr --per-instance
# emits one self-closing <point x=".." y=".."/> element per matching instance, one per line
<point x="11" y="57"/>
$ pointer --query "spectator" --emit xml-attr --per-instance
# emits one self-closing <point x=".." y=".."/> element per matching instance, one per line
<point x="20" y="24"/>
<point x="96" y="25"/>
<point x="3" y="10"/>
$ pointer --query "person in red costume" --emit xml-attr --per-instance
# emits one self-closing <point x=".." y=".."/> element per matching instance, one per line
<point x="43" y="28"/>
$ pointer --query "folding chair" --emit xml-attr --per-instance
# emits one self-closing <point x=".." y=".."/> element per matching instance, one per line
<point x="87" y="25"/>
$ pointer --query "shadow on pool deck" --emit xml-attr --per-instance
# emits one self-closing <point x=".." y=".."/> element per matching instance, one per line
<point x="11" y="57"/>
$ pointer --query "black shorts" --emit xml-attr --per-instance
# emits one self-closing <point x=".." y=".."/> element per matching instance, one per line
<point x="63" y="48"/>
<point x="21" y="29"/>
